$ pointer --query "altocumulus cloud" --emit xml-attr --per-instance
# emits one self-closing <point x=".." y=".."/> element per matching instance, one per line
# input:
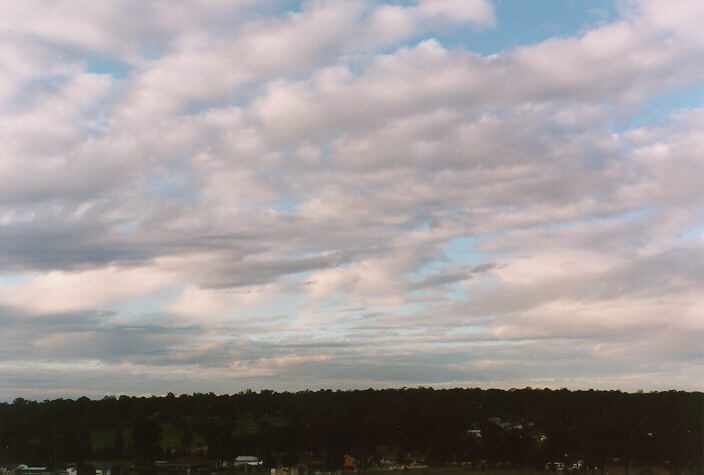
<point x="211" y="196"/>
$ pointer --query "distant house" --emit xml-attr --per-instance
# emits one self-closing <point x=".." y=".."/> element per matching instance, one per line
<point x="27" y="470"/>
<point x="350" y="462"/>
<point x="506" y="425"/>
<point x="184" y="466"/>
<point x="555" y="467"/>
<point x="298" y="470"/>
<point x="500" y="423"/>
<point x="248" y="462"/>
<point x="202" y="451"/>
<point x="475" y="433"/>
<point x="101" y="468"/>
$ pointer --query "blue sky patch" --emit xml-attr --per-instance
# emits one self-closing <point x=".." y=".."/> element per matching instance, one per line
<point x="528" y="22"/>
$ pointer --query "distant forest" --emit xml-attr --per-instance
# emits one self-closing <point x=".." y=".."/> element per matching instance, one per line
<point x="522" y="428"/>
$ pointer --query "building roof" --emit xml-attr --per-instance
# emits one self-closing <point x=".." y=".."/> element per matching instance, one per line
<point x="187" y="462"/>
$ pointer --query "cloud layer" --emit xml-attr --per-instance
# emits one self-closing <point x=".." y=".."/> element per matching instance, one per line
<point x="222" y="195"/>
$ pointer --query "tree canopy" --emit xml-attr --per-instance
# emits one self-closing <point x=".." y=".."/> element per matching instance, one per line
<point x="519" y="428"/>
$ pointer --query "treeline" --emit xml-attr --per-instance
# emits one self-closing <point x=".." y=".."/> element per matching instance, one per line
<point x="523" y="428"/>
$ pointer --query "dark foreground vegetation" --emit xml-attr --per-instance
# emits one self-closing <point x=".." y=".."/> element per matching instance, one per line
<point x="472" y="428"/>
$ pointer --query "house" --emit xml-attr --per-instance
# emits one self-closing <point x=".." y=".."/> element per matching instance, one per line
<point x="202" y="451"/>
<point x="101" y="468"/>
<point x="26" y="470"/>
<point x="350" y="463"/>
<point x="475" y="433"/>
<point x="184" y="466"/>
<point x="497" y="421"/>
<point x="297" y="470"/>
<point x="248" y="462"/>
<point x="555" y="467"/>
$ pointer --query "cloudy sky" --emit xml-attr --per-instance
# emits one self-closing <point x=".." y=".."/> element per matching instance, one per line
<point x="219" y="195"/>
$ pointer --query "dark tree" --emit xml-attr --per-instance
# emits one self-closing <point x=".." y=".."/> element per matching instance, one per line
<point x="145" y="439"/>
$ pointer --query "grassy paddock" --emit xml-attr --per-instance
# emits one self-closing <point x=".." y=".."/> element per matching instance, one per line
<point x="458" y="470"/>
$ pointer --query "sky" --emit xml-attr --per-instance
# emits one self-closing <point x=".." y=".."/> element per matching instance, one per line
<point x="219" y="195"/>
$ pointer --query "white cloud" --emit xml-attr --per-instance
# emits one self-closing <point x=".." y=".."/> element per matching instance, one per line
<point x="308" y="175"/>
<point x="59" y="291"/>
<point x="216" y="305"/>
